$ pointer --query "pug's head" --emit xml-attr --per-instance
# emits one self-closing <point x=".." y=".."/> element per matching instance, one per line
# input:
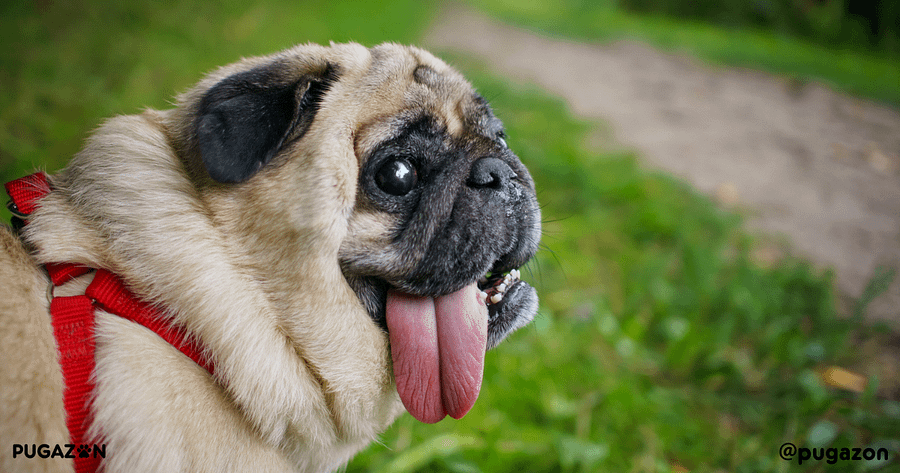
<point x="434" y="208"/>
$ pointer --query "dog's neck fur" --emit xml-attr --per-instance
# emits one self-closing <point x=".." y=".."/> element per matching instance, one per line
<point x="259" y="314"/>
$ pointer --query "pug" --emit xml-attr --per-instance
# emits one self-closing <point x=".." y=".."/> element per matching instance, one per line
<point x="338" y="230"/>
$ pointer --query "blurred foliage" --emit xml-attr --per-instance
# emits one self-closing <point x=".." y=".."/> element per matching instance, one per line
<point x="660" y="345"/>
<point x="856" y="70"/>
<point x="861" y="25"/>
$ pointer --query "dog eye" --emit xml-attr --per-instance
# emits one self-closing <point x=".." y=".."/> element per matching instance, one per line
<point x="396" y="177"/>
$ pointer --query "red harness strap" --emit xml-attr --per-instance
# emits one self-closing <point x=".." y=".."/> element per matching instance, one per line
<point x="73" y="322"/>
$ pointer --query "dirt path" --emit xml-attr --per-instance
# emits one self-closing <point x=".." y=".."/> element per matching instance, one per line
<point x="820" y="167"/>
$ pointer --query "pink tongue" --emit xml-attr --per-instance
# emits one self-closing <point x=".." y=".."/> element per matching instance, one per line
<point x="438" y="349"/>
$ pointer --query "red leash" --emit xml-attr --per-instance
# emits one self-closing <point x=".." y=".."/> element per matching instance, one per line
<point x="73" y="322"/>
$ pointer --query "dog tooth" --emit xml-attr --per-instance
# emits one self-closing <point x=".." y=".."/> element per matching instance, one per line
<point x="501" y="287"/>
<point x="515" y="273"/>
<point x="496" y="298"/>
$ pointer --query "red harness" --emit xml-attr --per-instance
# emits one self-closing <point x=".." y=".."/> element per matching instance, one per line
<point x="73" y="322"/>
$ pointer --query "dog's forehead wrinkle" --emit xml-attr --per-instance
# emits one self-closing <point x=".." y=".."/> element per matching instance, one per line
<point x="479" y="116"/>
<point x="410" y="81"/>
<point x="425" y="75"/>
<point x="390" y="64"/>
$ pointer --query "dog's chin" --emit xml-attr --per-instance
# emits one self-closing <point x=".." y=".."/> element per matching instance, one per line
<point x="511" y="302"/>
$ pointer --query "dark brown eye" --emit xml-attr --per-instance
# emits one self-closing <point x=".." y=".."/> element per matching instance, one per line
<point x="396" y="177"/>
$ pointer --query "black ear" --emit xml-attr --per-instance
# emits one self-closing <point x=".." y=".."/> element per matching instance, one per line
<point x="244" y="119"/>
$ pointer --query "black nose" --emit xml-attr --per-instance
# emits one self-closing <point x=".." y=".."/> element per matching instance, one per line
<point x="490" y="172"/>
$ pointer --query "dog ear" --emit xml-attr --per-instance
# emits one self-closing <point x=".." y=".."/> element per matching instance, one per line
<point x="245" y="118"/>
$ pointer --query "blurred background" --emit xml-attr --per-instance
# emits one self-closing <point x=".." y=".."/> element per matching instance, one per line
<point x="720" y="185"/>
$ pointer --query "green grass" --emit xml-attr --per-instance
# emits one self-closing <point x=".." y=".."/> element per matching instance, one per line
<point x="659" y="341"/>
<point x="857" y="72"/>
